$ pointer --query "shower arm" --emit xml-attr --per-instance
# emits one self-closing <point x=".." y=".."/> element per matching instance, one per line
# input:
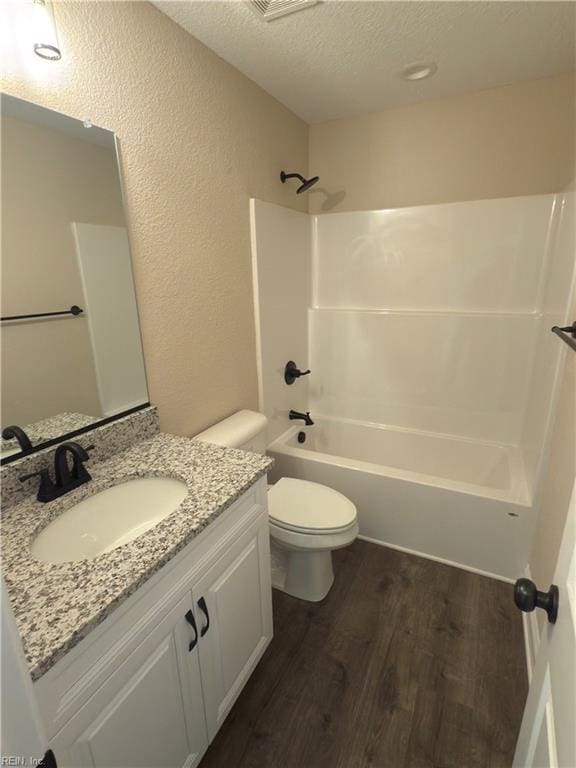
<point x="284" y="176"/>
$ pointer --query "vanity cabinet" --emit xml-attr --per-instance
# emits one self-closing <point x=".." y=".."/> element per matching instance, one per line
<point x="149" y="713"/>
<point x="156" y="682"/>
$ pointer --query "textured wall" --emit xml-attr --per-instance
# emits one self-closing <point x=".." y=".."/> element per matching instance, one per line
<point x="198" y="139"/>
<point x="501" y="142"/>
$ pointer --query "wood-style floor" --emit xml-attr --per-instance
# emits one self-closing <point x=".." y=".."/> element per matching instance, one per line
<point x="406" y="663"/>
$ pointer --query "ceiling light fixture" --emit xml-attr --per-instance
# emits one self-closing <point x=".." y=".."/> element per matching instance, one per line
<point x="45" y="40"/>
<point x="419" y="71"/>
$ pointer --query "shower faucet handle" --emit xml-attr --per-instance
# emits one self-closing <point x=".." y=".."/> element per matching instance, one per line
<point x="292" y="372"/>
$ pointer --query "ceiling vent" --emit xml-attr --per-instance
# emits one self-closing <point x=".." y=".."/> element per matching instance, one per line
<point x="273" y="9"/>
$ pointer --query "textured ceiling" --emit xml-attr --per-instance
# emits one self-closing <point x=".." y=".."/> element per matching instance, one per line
<point x="342" y="57"/>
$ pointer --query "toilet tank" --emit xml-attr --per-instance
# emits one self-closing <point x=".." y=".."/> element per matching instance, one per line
<point x="244" y="429"/>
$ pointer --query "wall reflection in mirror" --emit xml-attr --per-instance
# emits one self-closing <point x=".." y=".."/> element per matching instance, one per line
<point x="64" y="250"/>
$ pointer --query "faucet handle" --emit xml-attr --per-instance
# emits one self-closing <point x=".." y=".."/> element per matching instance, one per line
<point x="292" y="372"/>
<point x="41" y="473"/>
<point x="47" y="489"/>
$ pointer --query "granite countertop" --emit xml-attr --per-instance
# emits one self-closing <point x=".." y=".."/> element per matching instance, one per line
<point x="47" y="429"/>
<point x="56" y="605"/>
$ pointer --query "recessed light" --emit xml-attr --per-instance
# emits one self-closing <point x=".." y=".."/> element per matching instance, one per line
<point x="419" y="71"/>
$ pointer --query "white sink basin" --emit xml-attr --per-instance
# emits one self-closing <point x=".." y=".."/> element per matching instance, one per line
<point x="109" y="519"/>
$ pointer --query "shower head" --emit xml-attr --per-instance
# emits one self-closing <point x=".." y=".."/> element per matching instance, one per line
<point x="306" y="183"/>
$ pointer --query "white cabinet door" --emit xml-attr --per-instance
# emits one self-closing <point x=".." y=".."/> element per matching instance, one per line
<point x="149" y="714"/>
<point x="21" y="728"/>
<point x="233" y="607"/>
<point x="547" y="736"/>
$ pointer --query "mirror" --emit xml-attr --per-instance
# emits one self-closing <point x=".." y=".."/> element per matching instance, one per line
<point x="70" y="340"/>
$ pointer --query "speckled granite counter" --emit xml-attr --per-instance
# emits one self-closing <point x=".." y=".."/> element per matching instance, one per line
<point x="56" y="605"/>
<point x="48" y="429"/>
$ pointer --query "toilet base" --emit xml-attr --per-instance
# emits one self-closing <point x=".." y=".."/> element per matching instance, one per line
<point x="306" y="575"/>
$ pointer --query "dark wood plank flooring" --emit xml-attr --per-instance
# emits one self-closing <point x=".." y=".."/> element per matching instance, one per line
<point x="406" y="663"/>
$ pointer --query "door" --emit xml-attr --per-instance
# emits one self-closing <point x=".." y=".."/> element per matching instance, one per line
<point x="233" y="606"/>
<point x="150" y="713"/>
<point x="548" y="732"/>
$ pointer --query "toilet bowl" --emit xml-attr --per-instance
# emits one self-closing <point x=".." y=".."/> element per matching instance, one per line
<point x="307" y="520"/>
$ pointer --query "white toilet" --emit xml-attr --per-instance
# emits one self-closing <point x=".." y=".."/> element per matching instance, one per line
<point x="307" y="520"/>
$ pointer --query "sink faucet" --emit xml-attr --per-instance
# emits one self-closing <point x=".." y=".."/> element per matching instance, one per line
<point x="66" y="478"/>
<point x="9" y="433"/>
<point x="71" y="478"/>
<point x="304" y="416"/>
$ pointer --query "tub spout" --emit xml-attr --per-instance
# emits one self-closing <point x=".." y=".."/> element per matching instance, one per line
<point x="304" y="416"/>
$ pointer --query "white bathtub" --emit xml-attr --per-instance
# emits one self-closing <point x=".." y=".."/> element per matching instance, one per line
<point x="460" y="501"/>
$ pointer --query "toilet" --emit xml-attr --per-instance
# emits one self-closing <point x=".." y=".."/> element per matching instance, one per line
<point x="307" y="520"/>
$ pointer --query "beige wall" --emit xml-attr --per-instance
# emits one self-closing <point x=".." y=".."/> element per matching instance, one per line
<point x="49" y="179"/>
<point x="513" y="140"/>
<point x="198" y="139"/>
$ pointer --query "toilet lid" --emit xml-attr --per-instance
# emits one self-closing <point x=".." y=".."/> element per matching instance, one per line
<point x="302" y="505"/>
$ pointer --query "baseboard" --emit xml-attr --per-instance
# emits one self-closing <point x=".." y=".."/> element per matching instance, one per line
<point x="531" y="634"/>
<point x="442" y="560"/>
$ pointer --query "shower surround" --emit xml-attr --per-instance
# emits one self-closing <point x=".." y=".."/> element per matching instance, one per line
<point x="433" y="367"/>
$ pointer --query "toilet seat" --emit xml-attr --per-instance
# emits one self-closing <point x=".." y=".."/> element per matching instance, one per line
<point x="307" y="521"/>
<point x="301" y="506"/>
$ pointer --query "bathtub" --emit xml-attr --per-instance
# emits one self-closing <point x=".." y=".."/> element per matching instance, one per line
<point x="459" y="501"/>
